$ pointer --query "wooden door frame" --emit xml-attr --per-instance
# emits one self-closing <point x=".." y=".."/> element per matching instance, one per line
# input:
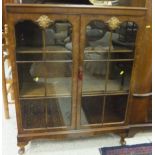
<point x="85" y="19"/>
<point x="74" y="20"/>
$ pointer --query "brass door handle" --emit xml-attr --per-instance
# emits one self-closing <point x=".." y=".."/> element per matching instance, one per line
<point x="142" y="95"/>
<point x="80" y="73"/>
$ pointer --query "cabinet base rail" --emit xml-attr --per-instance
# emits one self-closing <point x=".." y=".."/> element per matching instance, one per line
<point x="123" y="131"/>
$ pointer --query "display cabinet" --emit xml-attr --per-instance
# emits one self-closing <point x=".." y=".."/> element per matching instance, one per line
<point x="74" y="68"/>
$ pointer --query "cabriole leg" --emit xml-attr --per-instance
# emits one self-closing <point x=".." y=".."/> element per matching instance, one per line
<point x="122" y="140"/>
<point x="123" y="135"/>
<point x="22" y="145"/>
<point x="21" y="151"/>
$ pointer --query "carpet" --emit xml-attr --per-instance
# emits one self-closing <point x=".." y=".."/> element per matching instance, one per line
<point x="139" y="149"/>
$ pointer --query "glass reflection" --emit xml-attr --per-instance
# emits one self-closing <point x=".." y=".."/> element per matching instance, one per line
<point x="44" y="59"/>
<point x="52" y="43"/>
<point x="119" y="76"/>
<point x="31" y="82"/>
<point x="92" y="110"/>
<point x="33" y="113"/>
<point x="59" y="112"/>
<point x="124" y="37"/>
<point x="115" y="108"/>
<point x="58" y="79"/>
<point x="94" y="77"/>
<point x="42" y="113"/>
<point x="96" y="51"/>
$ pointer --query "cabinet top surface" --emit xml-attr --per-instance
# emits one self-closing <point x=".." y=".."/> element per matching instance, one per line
<point x="88" y="3"/>
<point x="74" y="6"/>
<point x="75" y="9"/>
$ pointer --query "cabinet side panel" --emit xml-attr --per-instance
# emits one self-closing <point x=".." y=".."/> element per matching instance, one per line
<point x="143" y="76"/>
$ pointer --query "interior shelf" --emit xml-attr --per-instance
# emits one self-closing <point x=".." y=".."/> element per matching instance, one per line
<point x="103" y="50"/>
<point x="121" y="51"/>
<point x="109" y="60"/>
<point x="59" y="86"/>
<point x="96" y="85"/>
<point x="31" y="89"/>
<point x="55" y="87"/>
<point x="49" y="54"/>
<point x="48" y="49"/>
<point x="62" y="87"/>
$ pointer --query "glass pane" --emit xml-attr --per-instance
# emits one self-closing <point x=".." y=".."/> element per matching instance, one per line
<point x="115" y="108"/>
<point x="33" y="113"/>
<point x="119" y="76"/>
<point x="95" y="53"/>
<point x="28" y="35"/>
<point x="29" y="41"/>
<point x="94" y="77"/>
<point x="132" y="3"/>
<point x="58" y="78"/>
<point x="59" y="112"/>
<point x="52" y="43"/>
<point x="45" y="79"/>
<point x="97" y="41"/>
<point x="31" y="77"/>
<point x="91" y="110"/>
<point x="123" y="38"/>
<point x="57" y="41"/>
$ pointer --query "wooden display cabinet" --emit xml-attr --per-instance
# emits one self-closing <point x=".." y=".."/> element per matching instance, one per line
<point x="75" y="69"/>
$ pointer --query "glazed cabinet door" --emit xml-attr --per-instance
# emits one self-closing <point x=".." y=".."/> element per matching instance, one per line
<point x="107" y="56"/>
<point x="46" y="68"/>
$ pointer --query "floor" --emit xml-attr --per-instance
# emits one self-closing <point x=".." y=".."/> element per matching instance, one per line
<point x="88" y="146"/>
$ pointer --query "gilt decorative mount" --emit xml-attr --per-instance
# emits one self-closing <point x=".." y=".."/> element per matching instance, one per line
<point x="113" y="23"/>
<point x="6" y="34"/>
<point x="44" y="21"/>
